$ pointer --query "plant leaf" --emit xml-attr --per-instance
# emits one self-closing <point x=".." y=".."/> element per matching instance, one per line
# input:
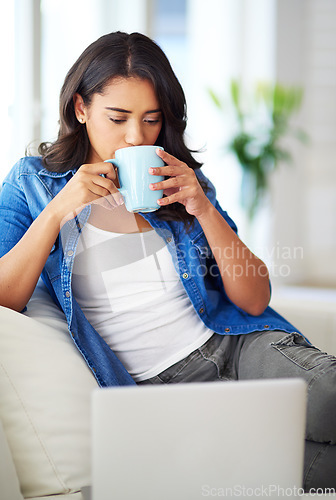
<point x="215" y="99"/>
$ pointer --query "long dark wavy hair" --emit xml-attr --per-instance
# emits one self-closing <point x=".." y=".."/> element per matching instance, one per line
<point x="120" y="55"/>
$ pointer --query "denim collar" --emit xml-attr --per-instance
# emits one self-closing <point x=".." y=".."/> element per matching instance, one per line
<point x="48" y="173"/>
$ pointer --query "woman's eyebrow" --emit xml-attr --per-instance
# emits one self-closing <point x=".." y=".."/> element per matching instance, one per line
<point x="120" y="110"/>
<point x="153" y="111"/>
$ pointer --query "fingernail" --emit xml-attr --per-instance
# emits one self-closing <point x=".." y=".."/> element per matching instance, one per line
<point x="118" y="199"/>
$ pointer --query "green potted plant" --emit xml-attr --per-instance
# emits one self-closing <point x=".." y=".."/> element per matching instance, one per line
<point x="262" y="121"/>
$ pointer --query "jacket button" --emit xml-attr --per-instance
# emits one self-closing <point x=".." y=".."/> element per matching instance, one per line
<point x="185" y="276"/>
<point x="227" y="330"/>
<point x="67" y="294"/>
<point x="70" y="253"/>
<point x="168" y="240"/>
<point x="201" y="311"/>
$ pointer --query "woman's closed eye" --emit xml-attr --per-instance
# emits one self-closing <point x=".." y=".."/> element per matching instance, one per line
<point x="118" y="121"/>
<point x="153" y="118"/>
<point x="149" y="121"/>
<point x="149" y="118"/>
<point x="152" y="121"/>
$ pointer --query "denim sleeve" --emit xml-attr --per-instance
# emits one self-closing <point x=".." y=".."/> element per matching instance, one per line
<point x="15" y="216"/>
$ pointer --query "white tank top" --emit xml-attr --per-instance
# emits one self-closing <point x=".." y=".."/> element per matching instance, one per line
<point x="128" y="289"/>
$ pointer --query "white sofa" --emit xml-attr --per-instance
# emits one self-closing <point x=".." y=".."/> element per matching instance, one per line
<point x="45" y="396"/>
<point x="312" y="310"/>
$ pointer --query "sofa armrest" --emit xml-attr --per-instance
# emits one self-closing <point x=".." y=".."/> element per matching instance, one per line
<point x="45" y="388"/>
<point x="10" y="486"/>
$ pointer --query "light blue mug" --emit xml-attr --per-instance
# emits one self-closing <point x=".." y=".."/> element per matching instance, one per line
<point x="133" y="164"/>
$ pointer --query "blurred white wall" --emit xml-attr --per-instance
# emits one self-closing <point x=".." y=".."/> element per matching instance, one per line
<point x="305" y="194"/>
<point x="227" y="39"/>
<point x="6" y="81"/>
<point x="68" y="27"/>
<point x="208" y="43"/>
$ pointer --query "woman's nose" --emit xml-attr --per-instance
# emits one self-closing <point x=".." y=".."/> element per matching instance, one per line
<point x="134" y="134"/>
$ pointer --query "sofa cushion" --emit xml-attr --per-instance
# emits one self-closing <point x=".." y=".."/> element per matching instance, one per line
<point x="45" y="389"/>
<point x="10" y="487"/>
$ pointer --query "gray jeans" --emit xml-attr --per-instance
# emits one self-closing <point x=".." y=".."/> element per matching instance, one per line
<point x="274" y="354"/>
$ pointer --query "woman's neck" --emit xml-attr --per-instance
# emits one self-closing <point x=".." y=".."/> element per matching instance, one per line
<point x="117" y="220"/>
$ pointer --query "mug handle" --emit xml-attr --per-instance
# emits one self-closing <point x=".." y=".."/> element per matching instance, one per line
<point x="121" y="189"/>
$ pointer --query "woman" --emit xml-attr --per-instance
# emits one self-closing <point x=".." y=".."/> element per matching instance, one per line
<point x="193" y="304"/>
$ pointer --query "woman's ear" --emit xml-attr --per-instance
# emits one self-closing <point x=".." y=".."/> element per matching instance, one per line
<point x="80" y="108"/>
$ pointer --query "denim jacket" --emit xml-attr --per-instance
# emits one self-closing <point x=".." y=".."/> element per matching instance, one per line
<point x="26" y="191"/>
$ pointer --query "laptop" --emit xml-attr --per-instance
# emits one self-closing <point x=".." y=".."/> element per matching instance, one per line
<point x="190" y="441"/>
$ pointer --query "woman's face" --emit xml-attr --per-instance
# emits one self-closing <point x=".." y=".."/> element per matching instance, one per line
<point x="126" y="114"/>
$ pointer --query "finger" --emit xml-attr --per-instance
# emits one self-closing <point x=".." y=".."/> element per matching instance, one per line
<point x="117" y="198"/>
<point x="168" y="158"/>
<point x="113" y="171"/>
<point x="181" y="196"/>
<point x="105" y="183"/>
<point x="102" y="168"/>
<point x="177" y="196"/>
<point x="169" y="170"/>
<point x="172" y="182"/>
<point x="173" y="198"/>
<point x="111" y="201"/>
<point x="96" y="190"/>
<point x="105" y="188"/>
<point x="103" y="202"/>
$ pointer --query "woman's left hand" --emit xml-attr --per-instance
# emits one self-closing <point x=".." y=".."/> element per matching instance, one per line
<point x="181" y="186"/>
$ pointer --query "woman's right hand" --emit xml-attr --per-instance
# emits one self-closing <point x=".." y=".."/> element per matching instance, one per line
<point x="21" y="267"/>
<point x="92" y="183"/>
